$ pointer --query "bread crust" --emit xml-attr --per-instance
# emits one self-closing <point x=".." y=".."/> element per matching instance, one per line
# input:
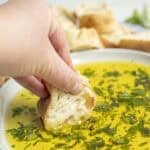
<point x="135" y="44"/>
<point x="82" y="39"/>
<point x="138" y="41"/>
<point x="99" y="16"/>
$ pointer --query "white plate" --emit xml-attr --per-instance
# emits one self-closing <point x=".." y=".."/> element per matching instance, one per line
<point x="9" y="90"/>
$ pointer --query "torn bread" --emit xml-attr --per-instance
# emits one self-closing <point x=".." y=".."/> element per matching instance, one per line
<point x="77" y="39"/>
<point x="111" y="40"/>
<point x="83" y="39"/>
<point x="66" y="18"/>
<point x="138" y="41"/>
<point x="98" y="16"/>
<point x="66" y="109"/>
<point x="63" y="11"/>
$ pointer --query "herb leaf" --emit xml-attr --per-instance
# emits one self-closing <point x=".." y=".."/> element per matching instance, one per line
<point x="112" y="74"/>
<point x="88" y="72"/>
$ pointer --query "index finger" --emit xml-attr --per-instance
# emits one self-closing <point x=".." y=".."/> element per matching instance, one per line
<point x="58" y="40"/>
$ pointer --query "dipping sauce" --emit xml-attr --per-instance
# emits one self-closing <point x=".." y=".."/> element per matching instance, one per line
<point x="120" y="120"/>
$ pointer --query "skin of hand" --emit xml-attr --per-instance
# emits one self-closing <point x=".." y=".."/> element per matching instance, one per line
<point x="33" y="48"/>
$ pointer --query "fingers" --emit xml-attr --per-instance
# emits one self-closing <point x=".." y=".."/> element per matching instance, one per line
<point x="58" y="74"/>
<point x="57" y="38"/>
<point x="34" y="85"/>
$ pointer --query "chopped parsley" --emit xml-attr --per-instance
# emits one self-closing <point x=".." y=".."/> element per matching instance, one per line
<point x="112" y="74"/>
<point x="98" y="91"/>
<point x="88" y="72"/>
<point x="140" y="18"/>
<point x="24" y="132"/>
<point x="20" y="110"/>
<point x="129" y="119"/>
<point x="17" y="111"/>
<point x="94" y="144"/>
<point x="140" y="127"/>
<point x="102" y="107"/>
<point x="120" y="141"/>
<point x="108" y="130"/>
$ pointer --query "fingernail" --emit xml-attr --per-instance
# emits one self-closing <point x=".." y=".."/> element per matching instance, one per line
<point x="77" y="87"/>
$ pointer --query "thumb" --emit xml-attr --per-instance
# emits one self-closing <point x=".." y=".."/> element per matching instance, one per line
<point x="58" y="74"/>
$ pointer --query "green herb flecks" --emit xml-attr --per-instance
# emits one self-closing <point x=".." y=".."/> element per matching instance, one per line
<point x="143" y="143"/>
<point x="140" y="127"/>
<point x="108" y="130"/>
<point x="143" y="79"/>
<point x="88" y="72"/>
<point x="129" y="119"/>
<point x="98" y="91"/>
<point x="112" y="74"/>
<point x="132" y="99"/>
<point x="94" y="144"/>
<point x="140" y="18"/>
<point x="27" y="146"/>
<point x="89" y="123"/>
<point x="13" y="146"/>
<point x="124" y="97"/>
<point x="20" y="110"/>
<point x="138" y="92"/>
<point x="102" y="107"/>
<point x="110" y="89"/>
<point x="17" y="111"/>
<point x="120" y="141"/>
<point x="77" y="136"/>
<point x="24" y="132"/>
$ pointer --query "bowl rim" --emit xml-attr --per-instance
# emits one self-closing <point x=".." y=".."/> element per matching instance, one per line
<point x="112" y="50"/>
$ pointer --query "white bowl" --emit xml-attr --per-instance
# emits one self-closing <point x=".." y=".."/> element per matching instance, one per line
<point x="9" y="90"/>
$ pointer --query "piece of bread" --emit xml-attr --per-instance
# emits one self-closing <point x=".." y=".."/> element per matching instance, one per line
<point x="67" y="13"/>
<point x="66" y="109"/>
<point x="83" y="39"/>
<point x="66" y="18"/>
<point x="138" y="41"/>
<point x="78" y="39"/>
<point x="113" y="40"/>
<point x="98" y="16"/>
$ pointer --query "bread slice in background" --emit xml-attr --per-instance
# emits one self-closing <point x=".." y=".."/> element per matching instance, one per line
<point x="112" y="40"/>
<point x="66" y="18"/>
<point x="138" y="41"/>
<point x="83" y="39"/>
<point x="77" y="38"/>
<point x="66" y="109"/>
<point x="67" y="13"/>
<point x="99" y="16"/>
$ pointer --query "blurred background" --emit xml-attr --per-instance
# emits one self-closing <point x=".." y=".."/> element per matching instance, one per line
<point x="122" y="8"/>
<point x="113" y="21"/>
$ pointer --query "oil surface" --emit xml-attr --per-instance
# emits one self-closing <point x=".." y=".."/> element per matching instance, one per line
<point x="120" y="120"/>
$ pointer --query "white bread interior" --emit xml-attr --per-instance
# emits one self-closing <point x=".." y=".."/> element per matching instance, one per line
<point x="66" y="109"/>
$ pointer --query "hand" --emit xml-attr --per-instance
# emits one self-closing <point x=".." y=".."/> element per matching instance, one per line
<point x="33" y="47"/>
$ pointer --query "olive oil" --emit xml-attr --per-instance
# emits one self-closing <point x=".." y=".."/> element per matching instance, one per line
<point x="120" y="119"/>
